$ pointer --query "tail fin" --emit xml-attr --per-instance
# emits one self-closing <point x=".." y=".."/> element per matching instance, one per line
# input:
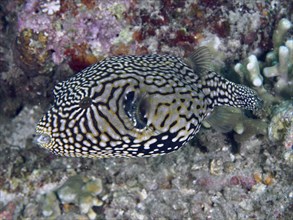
<point x="219" y="91"/>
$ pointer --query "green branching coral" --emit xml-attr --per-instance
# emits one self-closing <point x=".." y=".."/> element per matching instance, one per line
<point x="282" y="62"/>
<point x="278" y="64"/>
<point x="280" y="32"/>
<point x="251" y="70"/>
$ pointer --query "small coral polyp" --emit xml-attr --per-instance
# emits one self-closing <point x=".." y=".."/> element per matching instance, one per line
<point x="50" y="7"/>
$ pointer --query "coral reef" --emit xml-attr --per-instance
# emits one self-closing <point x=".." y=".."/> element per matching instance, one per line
<point x="44" y="34"/>
<point x="245" y="173"/>
<point x="24" y="65"/>
<point x="271" y="77"/>
<point x="74" y="30"/>
<point x="31" y="50"/>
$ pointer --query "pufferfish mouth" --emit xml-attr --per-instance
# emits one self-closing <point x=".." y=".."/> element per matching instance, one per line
<point x="42" y="138"/>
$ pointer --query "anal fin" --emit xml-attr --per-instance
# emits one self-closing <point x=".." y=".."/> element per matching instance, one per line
<point x="224" y="118"/>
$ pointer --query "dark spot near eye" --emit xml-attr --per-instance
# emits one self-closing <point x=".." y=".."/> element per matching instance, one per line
<point x="85" y="102"/>
<point x="190" y="105"/>
<point x="164" y="120"/>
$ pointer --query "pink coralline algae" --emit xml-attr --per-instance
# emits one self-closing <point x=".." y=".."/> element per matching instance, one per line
<point x="245" y="182"/>
<point x="92" y="25"/>
<point x="8" y="211"/>
<point x="218" y="183"/>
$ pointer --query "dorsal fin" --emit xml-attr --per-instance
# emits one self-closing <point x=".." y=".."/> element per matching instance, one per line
<point x="200" y="61"/>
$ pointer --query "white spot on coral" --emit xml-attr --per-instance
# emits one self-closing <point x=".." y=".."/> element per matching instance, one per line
<point x="50" y="7"/>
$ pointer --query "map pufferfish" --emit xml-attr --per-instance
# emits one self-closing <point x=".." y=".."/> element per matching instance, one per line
<point x="137" y="106"/>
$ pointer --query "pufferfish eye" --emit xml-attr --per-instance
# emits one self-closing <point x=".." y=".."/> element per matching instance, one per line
<point x="85" y="102"/>
<point x="135" y="107"/>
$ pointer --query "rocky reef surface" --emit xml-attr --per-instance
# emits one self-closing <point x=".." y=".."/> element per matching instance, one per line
<point x="244" y="173"/>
